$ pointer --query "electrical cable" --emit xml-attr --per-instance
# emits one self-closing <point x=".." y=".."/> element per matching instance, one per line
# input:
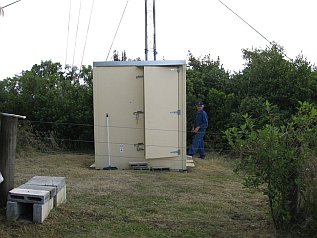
<point x="270" y="42"/>
<point x="245" y="22"/>
<point x="1" y="8"/>
<point x="117" y="29"/>
<point x="81" y="62"/>
<point x="69" y="14"/>
<point x="11" y="4"/>
<point x="79" y="11"/>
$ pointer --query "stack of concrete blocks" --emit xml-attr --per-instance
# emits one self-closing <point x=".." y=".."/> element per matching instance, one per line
<point x="42" y="193"/>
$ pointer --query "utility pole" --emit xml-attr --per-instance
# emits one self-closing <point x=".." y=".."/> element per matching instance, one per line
<point x="150" y="29"/>
<point x="8" y="135"/>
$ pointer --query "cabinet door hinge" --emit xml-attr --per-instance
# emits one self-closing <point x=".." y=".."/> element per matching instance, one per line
<point x="178" y="152"/>
<point x="178" y="112"/>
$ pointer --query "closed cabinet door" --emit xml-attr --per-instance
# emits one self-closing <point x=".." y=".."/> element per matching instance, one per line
<point x="119" y="92"/>
<point x="161" y="111"/>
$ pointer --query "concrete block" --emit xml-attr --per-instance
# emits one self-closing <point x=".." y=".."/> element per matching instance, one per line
<point x="41" y="211"/>
<point x="28" y="195"/>
<point x="51" y="189"/>
<point x="58" y="182"/>
<point x="13" y="210"/>
<point x="60" y="197"/>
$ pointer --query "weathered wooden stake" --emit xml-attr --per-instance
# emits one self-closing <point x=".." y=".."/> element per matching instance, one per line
<point x="8" y="135"/>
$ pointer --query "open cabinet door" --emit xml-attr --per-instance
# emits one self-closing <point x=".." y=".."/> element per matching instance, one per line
<point x="161" y="111"/>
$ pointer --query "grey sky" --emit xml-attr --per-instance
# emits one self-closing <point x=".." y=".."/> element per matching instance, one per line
<point x="35" y="30"/>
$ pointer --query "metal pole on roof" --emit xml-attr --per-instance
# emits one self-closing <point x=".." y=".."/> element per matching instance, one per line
<point x="146" y="50"/>
<point x="154" y="33"/>
<point x="150" y="29"/>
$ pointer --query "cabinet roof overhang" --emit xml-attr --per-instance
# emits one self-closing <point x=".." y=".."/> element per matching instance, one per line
<point x="139" y="63"/>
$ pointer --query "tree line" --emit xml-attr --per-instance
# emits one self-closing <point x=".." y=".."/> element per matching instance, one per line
<point x="264" y="115"/>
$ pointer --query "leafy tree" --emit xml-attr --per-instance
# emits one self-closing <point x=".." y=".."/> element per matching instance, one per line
<point x="205" y="81"/>
<point x="281" y="81"/>
<point x="58" y="101"/>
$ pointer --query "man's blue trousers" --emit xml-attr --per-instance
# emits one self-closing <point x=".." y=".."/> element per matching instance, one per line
<point x="198" y="144"/>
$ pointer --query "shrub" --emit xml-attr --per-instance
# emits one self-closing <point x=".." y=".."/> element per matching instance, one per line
<point x="282" y="158"/>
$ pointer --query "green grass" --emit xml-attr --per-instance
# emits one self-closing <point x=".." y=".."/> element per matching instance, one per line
<point x="209" y="201"/>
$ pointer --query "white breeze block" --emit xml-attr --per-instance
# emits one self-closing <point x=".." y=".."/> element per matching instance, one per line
<point x="51" y="189"/>
<point x="40" y="211"/>
<point x="60" y="197"/>
<point x="14" y="210"/>
<point x="58" y="182"/>
<point x="28" y="195"/>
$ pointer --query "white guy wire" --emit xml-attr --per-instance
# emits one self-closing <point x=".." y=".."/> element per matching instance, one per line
<point x="117" y="29"/>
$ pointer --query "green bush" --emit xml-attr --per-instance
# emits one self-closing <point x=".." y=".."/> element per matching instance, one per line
<point x="283" y="159"/>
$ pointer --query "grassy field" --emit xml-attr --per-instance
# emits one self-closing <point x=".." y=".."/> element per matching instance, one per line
<point x="209" y="201"/>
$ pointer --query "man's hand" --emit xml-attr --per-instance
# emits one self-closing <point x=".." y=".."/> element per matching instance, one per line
<point x="195" y="130"/>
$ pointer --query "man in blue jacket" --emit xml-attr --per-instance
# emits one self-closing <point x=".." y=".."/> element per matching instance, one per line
<point x="200" y="126"/>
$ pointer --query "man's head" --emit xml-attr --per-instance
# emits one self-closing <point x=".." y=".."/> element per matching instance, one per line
<point x="200" y="106"/>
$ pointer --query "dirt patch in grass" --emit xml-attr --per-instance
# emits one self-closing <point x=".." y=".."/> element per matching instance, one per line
<point x="209" y="201"/>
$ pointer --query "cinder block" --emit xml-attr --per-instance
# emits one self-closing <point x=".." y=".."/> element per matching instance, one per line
<point x="28" y="195"/>
<point x="51" y="189"/>
<point x="60" y="197"/>
<point x="58" y="182"/>
<point x="13" y="210"/>
<point x="41" y="211"/>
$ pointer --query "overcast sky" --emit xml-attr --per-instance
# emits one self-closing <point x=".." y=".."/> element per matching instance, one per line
<point x="36" y="30"/>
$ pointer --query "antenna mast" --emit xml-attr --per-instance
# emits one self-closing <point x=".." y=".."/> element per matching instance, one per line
<point x="150" y="29"/>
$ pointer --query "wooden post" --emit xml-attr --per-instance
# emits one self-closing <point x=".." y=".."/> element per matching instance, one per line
<point x="8" y="135"/>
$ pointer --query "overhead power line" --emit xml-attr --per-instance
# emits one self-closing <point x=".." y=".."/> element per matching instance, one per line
<point x="92" y="7"/>
<point x="11" y="4"/>
<point x="79" y="11"/>
<point x="69" y="14"/>
<point x="114" y="37"/>
<point x="1" y="8"/>
<point x="246" y="22"/>
<point x="270" y="42"/>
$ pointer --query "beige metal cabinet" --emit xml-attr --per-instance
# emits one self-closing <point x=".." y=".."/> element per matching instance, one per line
<point x="146" y="106"/>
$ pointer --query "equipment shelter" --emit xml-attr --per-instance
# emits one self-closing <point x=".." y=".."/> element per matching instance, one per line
<point x="146" y="106"/>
